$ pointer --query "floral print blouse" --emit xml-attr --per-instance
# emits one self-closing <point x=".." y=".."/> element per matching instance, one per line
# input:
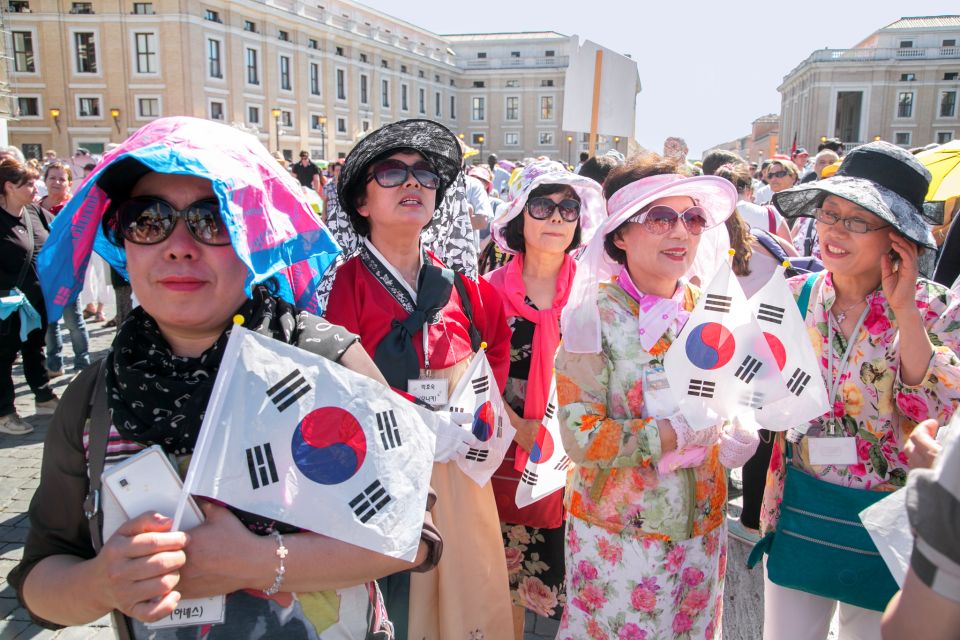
<point x="615" y="484"/>
<point x="874" y="405"/>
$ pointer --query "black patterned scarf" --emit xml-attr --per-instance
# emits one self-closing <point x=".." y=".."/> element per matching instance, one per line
<point x="158" y="397"/>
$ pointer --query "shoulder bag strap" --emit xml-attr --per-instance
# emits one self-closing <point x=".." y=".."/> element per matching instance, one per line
<point x="804" y="300"/>
<point x="475" y="339"/>
<point x="99" y="432"/>
<point x="771" y="219"/>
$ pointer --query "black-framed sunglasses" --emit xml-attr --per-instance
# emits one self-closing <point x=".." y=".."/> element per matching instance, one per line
<point x="543" y="208"/>
<point x="854" y="225"/>
<point x="149" y="220"/>
<point x="660" y="219"/>
<point x="393" y="173"/>
<point x="777" y="174"/>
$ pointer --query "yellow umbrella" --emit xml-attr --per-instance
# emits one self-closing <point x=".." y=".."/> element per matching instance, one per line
<point x="944" y="166"/>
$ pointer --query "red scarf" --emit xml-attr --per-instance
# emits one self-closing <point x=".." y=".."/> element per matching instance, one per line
<point x="546" y="335"/>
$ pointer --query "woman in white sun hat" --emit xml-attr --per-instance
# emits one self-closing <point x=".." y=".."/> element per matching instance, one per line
<point x="555" y="213"/>
<point x="646" y="533"/>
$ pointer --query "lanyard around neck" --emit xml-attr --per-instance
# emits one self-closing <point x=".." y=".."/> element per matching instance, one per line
<point x="844" y="364"/>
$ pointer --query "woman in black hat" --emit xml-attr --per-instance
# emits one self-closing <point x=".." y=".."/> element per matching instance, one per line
<point x="422" y="322"/>
<point x="887" y="343"/>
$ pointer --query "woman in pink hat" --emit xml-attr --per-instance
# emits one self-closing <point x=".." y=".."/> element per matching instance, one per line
<point x="555" y="213"/>
<point x="646" y="532"/>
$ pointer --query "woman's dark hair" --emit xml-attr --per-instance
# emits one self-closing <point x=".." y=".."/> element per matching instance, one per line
<point x="16" y="172"/>
<point x="737" y="174"/>
<point x="740" y="239"/>
<point x="636" y="168"/>
<point x="357" y="190"/>
<point x="513" y="232"/>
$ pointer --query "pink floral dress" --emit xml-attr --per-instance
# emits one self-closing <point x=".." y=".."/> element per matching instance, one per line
<point x="877" y="407"/>
<point x="646" y="553"/>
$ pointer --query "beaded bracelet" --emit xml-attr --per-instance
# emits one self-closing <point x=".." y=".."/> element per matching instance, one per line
<point x="282" y="569"/>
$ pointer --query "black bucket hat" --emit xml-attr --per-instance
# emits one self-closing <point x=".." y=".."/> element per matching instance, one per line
<point x="432" y="140"/>
<point x="882" y="178"/>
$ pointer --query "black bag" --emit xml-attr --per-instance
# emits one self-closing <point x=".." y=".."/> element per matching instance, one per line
<point x="798" y="265"/>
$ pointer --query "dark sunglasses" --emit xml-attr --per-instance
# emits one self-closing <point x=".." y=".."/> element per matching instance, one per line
<point x="661" y="219"/>
<point x="777" y="174"/>
<point x="149" y="220"/>
<point x="543" y="208"/>
<point x="393" y="173"/>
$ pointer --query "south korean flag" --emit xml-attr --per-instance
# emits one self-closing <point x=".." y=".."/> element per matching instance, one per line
<point x="548" y="464"/>
<point x="477" y="394"/>
<point x="721" y="363"/>
<point x="786" y="333"/>
<point x="292" y="436"/>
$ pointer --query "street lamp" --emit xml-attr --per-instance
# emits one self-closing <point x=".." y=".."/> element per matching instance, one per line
<point x="876" y="138"/>
<point x="616" y="143"/>
<point x="276" y="125"/>
<point x="115" y="114"/>
<point x="323" y="134"/>
<point x="570" y="149"/>
<point x="480" y="139"/>
<point x="55" y="114"/>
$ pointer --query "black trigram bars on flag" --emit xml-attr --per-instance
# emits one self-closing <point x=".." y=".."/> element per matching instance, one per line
<point x="289" y="390"/>
<point x="701" y="388"/>
<point x="718" y="303"/>
<point x="529" y="477"/>
<point x="752" y="399"/>
<point x="770" y="313"/>
<point x="370" y="501"/>
<point x="798" y="381"/>
<point x="388" y="430"/>
<point x="480" y="385"/>
<point x="748" y="369"/>
<point x="477" y="455"/>
<point x="563" y="464"/>
<point x="549" y="411"/>
<point x="260" y="464"/>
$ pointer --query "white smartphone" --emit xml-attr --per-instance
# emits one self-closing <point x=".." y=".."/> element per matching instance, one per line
<point x="148" y="482"/>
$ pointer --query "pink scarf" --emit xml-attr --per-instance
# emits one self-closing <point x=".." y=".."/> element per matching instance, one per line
<point x="546" y="336"/>
<point x="656" y="314"/>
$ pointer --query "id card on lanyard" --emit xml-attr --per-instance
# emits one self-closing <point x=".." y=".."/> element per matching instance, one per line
<point x="433" y="391"/>
<point x="832" y="449"/>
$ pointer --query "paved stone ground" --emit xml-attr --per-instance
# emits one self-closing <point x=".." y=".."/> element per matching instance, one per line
<point x="19" y="475"/>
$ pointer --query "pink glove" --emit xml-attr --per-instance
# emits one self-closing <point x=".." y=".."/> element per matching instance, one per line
<point x="688" y="437"/>
<point x="738" y="441"/>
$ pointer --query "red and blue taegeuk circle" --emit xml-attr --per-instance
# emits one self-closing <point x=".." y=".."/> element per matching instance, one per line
<point x="483" y="420"/>
<point x="710" y="345"/>
<point x="777" y="349"/>
<point x="329" y="445"/>
<point x="543" y="447"/>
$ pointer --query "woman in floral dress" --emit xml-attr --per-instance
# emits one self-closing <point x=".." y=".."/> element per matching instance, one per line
<point x="902" y="365"/>
<point x="555" y="212"/>
<point x="646" y="534"/>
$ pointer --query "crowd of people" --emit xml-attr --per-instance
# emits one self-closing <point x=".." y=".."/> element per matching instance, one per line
<point x="577" y="280"/>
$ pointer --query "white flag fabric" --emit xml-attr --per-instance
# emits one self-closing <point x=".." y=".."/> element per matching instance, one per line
<point x="779" y="317"/>
<point x="292" y="436"/>
<point x="547" y="465"/>
<point x="477" y="394"/>
<point x="720" y="365"/>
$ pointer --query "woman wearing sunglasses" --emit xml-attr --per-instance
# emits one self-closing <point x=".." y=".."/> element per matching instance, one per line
<point x="888" y="346"/>
<point x="646" y="534"/>
<point x="422" y="322"/>
<point x="555" y="213"/>
<point x="194" y="245"/>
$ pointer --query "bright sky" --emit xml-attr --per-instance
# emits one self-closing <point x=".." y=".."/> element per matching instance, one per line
<point x="708" y="69"/>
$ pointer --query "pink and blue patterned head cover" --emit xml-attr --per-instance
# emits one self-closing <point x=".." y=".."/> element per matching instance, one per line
<point x="272" y="227"/>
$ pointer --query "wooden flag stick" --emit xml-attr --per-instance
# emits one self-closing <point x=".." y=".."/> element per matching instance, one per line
<point x="595" y="114"/>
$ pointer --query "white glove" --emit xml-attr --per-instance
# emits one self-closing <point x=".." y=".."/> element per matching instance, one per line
<point x="452" y="438"/>
<point x="688" y="437"/>
<point x="739" y="441"/>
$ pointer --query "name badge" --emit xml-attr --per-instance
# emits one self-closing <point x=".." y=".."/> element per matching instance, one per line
<point x="193" y="612"/>
<point x="658" y="400"/>
<point x="832" y="450"/>
<point x="433" y="391"/>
